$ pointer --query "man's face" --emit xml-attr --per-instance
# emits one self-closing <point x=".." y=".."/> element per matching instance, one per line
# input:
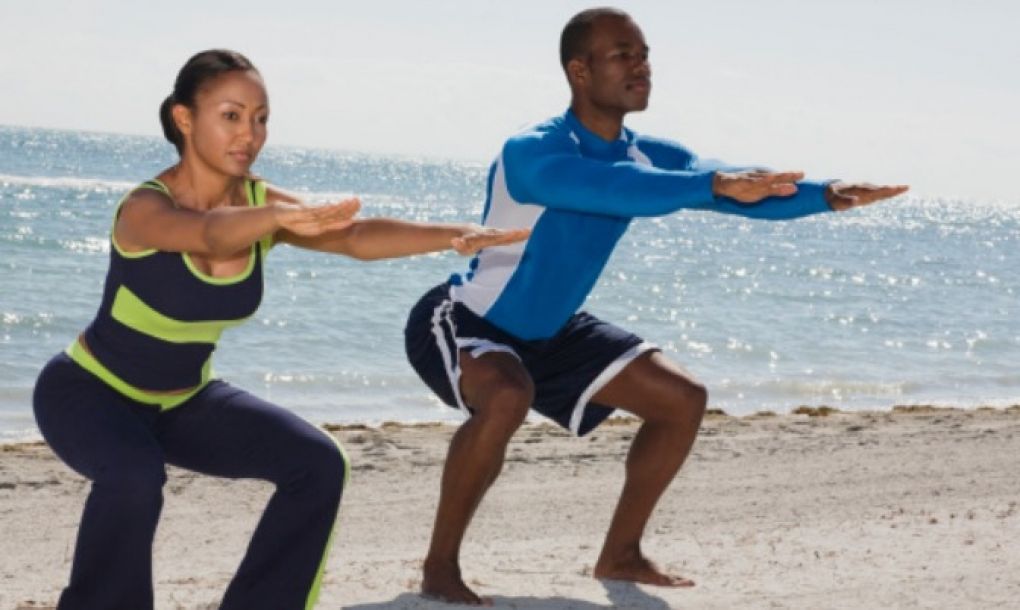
<point x="618" y="75"/>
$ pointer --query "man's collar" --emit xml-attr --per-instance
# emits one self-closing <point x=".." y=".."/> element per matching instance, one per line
<point x="590" y="137"/>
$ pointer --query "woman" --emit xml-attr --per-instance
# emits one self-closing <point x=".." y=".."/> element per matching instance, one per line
<point x="134" y="391"/>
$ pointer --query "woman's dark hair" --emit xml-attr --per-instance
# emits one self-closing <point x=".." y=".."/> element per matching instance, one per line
<point x="196" y="73"/>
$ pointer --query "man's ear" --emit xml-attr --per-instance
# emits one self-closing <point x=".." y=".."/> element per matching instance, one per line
<point x="577" y="72"/>
<point x="182" y="118"/>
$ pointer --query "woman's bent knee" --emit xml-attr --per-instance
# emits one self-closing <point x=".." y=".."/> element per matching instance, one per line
<point x="137" y="487"/>
<point x="322" y="469"/>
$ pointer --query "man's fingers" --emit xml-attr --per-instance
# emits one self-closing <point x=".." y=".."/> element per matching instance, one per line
<point x="892" y="191"/>
<point x="844" y="201"/>
<point x="783" y="190"/>
<point x="883" y="192"/>
<point x="869" y="193"/>
<point x="775" y="177"/>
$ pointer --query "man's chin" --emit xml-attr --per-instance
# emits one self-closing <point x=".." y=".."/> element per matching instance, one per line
<point x="638" y="106"/>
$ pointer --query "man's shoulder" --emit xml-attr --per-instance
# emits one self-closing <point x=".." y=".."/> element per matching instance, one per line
<point x="529" y="148"/>
<point x="545" y="130"/>
<point x="645" y="141"/>
<point x="664" y="152"/>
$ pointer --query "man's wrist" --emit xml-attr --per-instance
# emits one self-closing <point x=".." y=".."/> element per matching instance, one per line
<point x="830" y="193"/>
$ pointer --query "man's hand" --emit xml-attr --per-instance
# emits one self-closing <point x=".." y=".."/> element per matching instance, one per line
<point x="842" y="196"/>
<point x="754" y="185"/>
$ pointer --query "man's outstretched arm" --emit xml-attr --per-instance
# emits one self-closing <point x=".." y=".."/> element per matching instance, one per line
<point x="548" y="169"/>
<point x="810" y="196"/>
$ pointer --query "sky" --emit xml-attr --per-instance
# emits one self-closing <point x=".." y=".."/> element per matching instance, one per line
<point x="890" y="91"/>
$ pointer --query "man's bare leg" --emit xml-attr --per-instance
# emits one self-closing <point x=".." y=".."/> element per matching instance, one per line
<point x="500" y="392"/>
<point x="671" y="405"/>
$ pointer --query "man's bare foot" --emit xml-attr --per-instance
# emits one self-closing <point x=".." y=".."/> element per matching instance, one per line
<point x="441" y="581"/>
<point x="637" y="569"/>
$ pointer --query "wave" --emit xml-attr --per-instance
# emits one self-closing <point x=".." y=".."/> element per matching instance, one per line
<point x="104" y="185"/>
<point x="66" y="182"/>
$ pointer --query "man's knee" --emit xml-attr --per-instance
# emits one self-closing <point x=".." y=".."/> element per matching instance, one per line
<point x="500" y="399"/>
<point x="694" y="396"/>
<point x="685" y="402"/>
<point x="497" y="389"/>
<point x="507" y="406"/>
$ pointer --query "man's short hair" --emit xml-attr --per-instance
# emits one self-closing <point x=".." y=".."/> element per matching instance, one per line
<point x="576" y="36"/>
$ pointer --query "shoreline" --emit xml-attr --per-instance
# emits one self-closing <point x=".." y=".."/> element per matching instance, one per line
<point x="810" y="411"/>
<point x="913" y="508"/>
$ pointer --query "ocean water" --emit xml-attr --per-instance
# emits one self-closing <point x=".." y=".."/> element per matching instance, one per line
<point x="911" y="302"/>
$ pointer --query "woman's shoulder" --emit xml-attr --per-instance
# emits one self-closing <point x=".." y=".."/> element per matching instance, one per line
<point x="273" y="193"/>
<point x="150" y="192"/>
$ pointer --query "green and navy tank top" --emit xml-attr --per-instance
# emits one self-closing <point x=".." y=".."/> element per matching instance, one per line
<point x="160" y="317"/>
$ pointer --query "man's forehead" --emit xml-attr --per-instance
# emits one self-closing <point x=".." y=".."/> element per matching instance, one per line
<point x="616" y="31"/>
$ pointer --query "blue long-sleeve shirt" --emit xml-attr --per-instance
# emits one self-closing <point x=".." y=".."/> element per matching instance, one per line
<point x="578" y="194"/>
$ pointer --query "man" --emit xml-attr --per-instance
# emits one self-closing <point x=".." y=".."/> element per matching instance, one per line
<point x="505" y="337"/>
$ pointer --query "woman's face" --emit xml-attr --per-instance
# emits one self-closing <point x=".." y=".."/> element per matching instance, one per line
<point x="227" y="127"/>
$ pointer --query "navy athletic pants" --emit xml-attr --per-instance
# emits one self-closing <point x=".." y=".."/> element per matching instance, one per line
<point x="123" y="446"/>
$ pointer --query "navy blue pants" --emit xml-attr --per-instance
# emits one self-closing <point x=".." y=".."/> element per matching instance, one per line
<point x="123" y="446"/>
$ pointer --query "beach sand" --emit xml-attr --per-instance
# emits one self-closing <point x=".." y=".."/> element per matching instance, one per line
<point x="915" y="508"/>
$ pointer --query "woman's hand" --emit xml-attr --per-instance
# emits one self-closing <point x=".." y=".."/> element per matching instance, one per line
<point x="476" y="238"/>
<point x="311" y="220"/>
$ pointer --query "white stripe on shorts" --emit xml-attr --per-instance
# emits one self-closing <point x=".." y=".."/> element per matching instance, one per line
<point x="479" y="346"/>
<point x="605" y="377"/>
<point x="440" y="315"/>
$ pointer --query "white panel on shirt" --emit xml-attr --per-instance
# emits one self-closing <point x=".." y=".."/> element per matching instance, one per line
<point x="497" y="264"/>
<point x="639" y="157"/>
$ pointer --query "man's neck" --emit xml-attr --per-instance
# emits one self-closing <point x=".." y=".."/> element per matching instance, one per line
<point x="606" y="125"/>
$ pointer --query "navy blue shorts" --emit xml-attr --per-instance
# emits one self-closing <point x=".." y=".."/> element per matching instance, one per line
<point x="567" y="369"/>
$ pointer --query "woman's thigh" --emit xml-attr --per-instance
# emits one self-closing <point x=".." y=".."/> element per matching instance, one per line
<point x="225" y="431"/>
<point x="96" y="431"/>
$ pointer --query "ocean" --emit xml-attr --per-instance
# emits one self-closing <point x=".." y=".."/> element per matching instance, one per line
<point x="914" y="301"/>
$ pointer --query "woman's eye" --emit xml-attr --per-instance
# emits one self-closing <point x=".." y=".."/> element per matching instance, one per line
<point x="230" y="115"/>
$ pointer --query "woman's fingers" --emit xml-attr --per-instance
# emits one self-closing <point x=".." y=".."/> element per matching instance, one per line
<point x="317" y="219"/>
<point x="486" y="238"/>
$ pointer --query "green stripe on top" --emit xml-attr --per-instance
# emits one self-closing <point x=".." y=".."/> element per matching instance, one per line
<point x="154" y="185"/>
<point x="255" y="192"/>
<point x="258" y="194"/>
<point x="160" y="399"/>
<point x="221" y="281"/>
<point x="134" y="313"/>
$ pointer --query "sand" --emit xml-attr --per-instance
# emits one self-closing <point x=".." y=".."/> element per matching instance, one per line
<point x="903" y="509"/>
